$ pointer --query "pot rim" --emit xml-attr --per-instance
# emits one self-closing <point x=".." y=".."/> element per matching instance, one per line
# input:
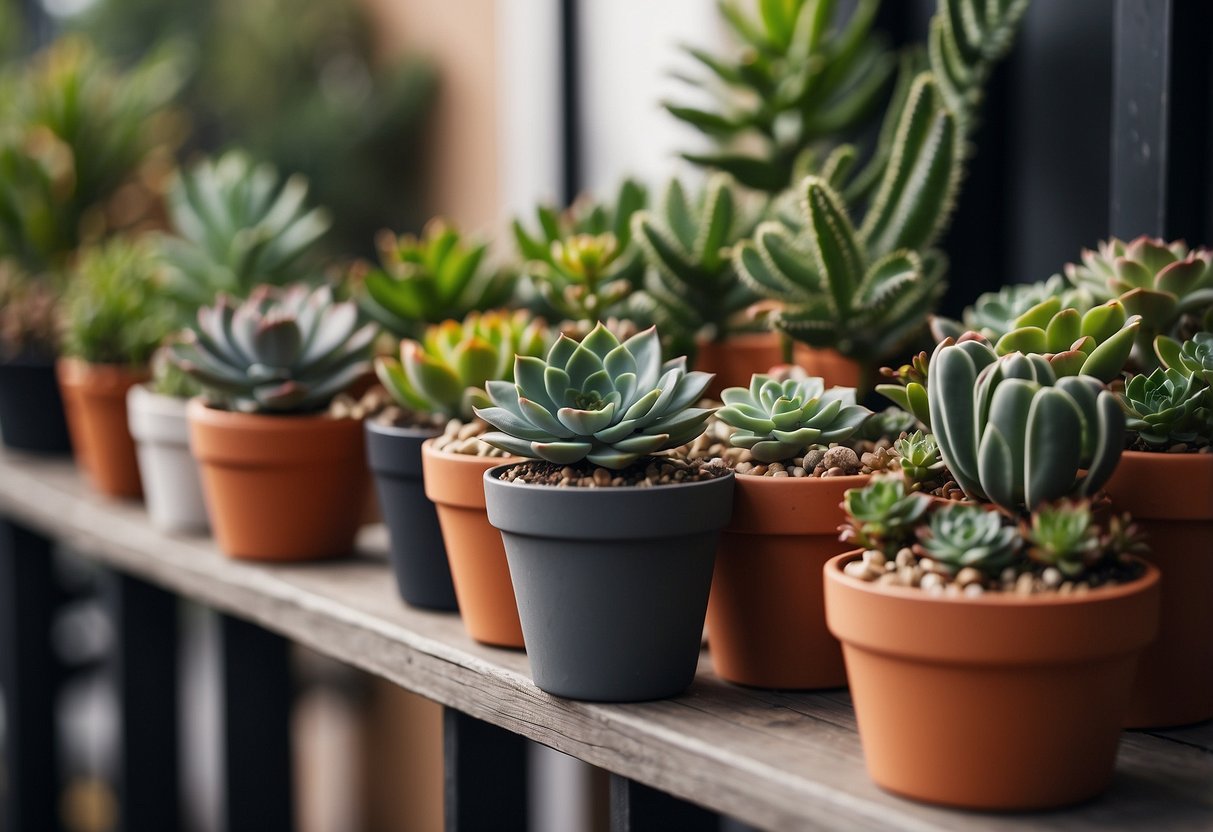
<point x="400" y="430"/>
<point x="146" y="398"/>
<point x="427" y="447"/>
<point x="493" y="474"/>
<point x="200" y="411"/>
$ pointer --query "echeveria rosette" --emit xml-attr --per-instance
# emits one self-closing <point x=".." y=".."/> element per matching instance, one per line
<point x="919" y="457"/>
<point x="882" y="514"/>
<point x="963" y="535"/>
<point x="1064" y="535"/>
<point x="777" y="420"/>
<point x="600" y="401"/>
<point x="1012" y="433"/>
<point x="286" y="350"/>
<point x="445" y="373"/>
<point x="1096" y="342"/>
<point x="1168" y="407"/>
<point x="1192" y="357"/>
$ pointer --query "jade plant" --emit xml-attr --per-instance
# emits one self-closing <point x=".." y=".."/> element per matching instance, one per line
<point x="283" y="350"/>
<point x="237" y="224"/>
<point x="114" y="309"/>
<point x="600" y="401"/>
<point x="1011" y="432"/>
<point x="963" y="534"/>
<point x="1095" y="343"/>
<point x="583" y="262"/>
<point x="777" y="419"/>
<point x="692" y="289"/>
<point x="445" y="373"/>
<point x="436" y="277"/>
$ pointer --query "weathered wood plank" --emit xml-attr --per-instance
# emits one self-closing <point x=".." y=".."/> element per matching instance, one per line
<point x="772" y="760"/>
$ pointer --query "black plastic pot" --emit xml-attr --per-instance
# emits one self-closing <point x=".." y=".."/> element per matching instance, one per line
<point x="31" y="410"/>
<point x="415" y="540"/>
<point x="612" y="583"/>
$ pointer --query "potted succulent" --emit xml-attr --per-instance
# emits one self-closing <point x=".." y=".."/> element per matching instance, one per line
<point x="435" y="384"/>
<point x="1029" y="629"/>
<point x="31" y="410"/>
<point x="766" y="622"/>
<point x="283" y="478"/>
<point x="1165" y="478"/>
<point x="157" y="418"/>
<point x="114" y="319"/>
<point x="610" y="548"/>
<point x="692" y="291"/>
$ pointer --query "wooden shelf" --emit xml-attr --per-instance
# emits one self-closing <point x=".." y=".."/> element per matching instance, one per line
<point x="773" y="760"/>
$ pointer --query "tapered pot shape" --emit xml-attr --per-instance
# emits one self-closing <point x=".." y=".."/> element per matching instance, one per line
<point x="281" y="488"/>
<point x="738" y="357"/>
<point x="172" y="484"/>
<point x="1171" y="497"/>
<point x="830" y="365"/>
<point x="94" y="399"/>
<point x="415" y="548"/>
<point x="31" y="408"/>
<point x="612" y="583"/>
<point x="455" y="482"/>
<point x="1028" y="693"/>
<point x="766" y="616"/>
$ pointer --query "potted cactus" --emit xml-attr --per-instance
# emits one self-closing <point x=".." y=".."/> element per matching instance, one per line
<point x="959" y="603"/>
<point x="692" y="290"/>
<point x="283" y="479"/>
<point x="115" y="317"/>
<point x="765" y="616"/>
<point x="157" y="418"/>
<point x="435" y="384"/>
<point x="1165" y="478"/>
<point x="610" y="548"/>
<point x="31" y="409"/>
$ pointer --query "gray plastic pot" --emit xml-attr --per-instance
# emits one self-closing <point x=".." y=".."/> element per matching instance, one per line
<point x="172" y="486"/>
<point x="612" y="583"/>
<point x="415" y="548"/>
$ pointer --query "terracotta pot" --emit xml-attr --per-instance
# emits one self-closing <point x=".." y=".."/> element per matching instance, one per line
<point x="998" y="702"/>
<point x="831" y="366"/>
<point x="31" y="407"/>
<point x="162" y="436"/>
<point x="283" y="488"/>
<point x="1171" y="497"/>
<point x="94" y="399"/>
<point x="738" y="357"/>
<point x="766" y="616"/>
<point x="455" y="483"/>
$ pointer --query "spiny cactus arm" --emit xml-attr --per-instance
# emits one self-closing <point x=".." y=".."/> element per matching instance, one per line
<point x="836" y="250"/>
<point x="967" y="38"/>
<point x="715" y="229"/>
<point x="864" y="182"/>
<point x="775" y="266"/>
<point x="854" y="82"/>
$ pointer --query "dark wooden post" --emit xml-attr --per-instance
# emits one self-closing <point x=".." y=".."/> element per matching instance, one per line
<point x="486" y="776"/>
<point x="638" y="808"/>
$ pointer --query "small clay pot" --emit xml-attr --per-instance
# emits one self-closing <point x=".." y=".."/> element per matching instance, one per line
<point x="612" y="583"/>
<point x="835" y="369"/>
<point x="31" y="408"/>
<point x="999" y="702"/>
<point x="1171" y="497"/>
<point x="281" y="488"/>
<point x="766" y="615"/>
<point x="415" y="548"/>
<point x="455" y="482"/>
<point x="735" y="359"/>
<point x="173" y="486"/>
<point x="94" y="399"/>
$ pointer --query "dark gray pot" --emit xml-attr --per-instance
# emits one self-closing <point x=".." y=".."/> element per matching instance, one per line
<point x="612" y="583"/>
<point x="415" y="540"/>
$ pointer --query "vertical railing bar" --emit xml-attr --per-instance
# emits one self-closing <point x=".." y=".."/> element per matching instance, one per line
<point x="485" y="773"/>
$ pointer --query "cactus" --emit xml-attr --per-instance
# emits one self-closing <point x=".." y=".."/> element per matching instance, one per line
<point x="692" y="288"/>
<point x="431" y="279"/>
<point x="882" y="514"/>
<point x="777" y="420"/>
<point x="1168" y="407"/>
<point x="963" y="535"/>
<point x="803" y="77"/>
<point x="601" y="401"/>
<point x="283" y="350"/>
<point x="1096" y="343"/>
<point x="238" y="224"/>
<point x="445" y="373"/>
<point x="1064" y="536"/>
<point x="1013" y="433"/>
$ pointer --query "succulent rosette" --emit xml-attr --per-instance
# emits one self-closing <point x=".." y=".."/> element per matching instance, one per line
<point x="600" y="400"/>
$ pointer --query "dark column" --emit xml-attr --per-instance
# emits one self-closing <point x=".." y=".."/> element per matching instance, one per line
<point x="638" y="808"/>
<point x="486" y="776"/>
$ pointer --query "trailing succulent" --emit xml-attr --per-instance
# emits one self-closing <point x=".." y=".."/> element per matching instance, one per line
<point x="691" y="289"/>
<point x="599" y="401"/>
<point x="883" y="514"/>
<point x="237" y="224"/>
<point x="963" y="534"/>
<point x="582" y="262"/>
<point x="283" y="350"/>
<point x="429" y="279"/>
<point x="780" y="419"/>
<point x="1095" y="343"/>
<point x="446" y="371"/>
<point x="1013" y="433"/>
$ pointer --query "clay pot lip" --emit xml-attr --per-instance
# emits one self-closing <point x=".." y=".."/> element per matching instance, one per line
<point x="200" y="412"/>
<point x="470" y="460"/>
<point x="1194" y="460"/>
<point x="495" y="472"/>
<point x="834" y="573"/>
<point x="401" y="431"/>
<point x="114" y="378"/>
<point x="846" y="481"/>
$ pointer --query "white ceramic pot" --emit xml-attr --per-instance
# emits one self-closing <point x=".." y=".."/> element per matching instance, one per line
<point x="171" y="484"/>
